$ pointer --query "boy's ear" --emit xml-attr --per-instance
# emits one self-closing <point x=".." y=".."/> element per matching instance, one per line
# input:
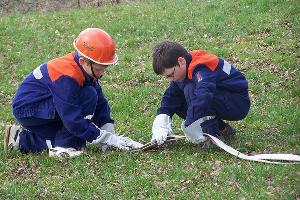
<point x="181" y="61"/>
<point x="81" y="60"/>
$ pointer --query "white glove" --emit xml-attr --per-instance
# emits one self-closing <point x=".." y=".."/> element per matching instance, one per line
<point x="161" y="128"/>
<point x="113" y="140"/>
<point x="194" y="132"/>
<point x="109" y="127"/>
<point x="131" y="143"/>
<point x="60" y="152"/>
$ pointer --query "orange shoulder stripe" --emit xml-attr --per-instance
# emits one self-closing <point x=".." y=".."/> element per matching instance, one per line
<point x="65" y="66"/>
<point x="204" y="58"/>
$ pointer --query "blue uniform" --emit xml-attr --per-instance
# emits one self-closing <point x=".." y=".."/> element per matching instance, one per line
<point x="212" y="87"/>
<point x="57" y="103"/>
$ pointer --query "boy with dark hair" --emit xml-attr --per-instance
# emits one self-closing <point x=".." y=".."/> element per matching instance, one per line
<point x="204" y="90"/>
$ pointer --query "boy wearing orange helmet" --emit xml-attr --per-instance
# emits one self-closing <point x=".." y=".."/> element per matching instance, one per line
<point x="60" y="105"/>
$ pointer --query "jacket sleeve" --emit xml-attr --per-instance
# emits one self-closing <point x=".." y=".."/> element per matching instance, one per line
<point x="102" y="113"/>
<point x="205" y="87"/>
<point x="65" y="92"/>
<point x="173" y="102"/>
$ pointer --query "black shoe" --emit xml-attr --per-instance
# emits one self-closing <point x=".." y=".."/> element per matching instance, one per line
<point x="209" y="143"/>
<point x="228" y="132"/>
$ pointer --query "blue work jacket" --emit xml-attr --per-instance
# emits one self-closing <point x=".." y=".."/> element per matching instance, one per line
<point x="54" y="88"/>
<point x="209" y="74"/>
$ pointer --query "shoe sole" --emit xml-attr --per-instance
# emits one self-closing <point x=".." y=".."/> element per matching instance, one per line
<point x="6" y="137"/>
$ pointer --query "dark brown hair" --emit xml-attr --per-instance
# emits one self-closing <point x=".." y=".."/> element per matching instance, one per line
<point x="165" y="55"/>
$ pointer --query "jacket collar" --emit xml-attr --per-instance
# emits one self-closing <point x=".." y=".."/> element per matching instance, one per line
<point x="88" y="79"/>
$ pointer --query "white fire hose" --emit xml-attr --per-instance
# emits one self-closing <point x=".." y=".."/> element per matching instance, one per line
<point x="266" y="158"/>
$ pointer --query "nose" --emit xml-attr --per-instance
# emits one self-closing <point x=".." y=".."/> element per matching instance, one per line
<point x="170" y="79"/>
<point x="101" y="73"/>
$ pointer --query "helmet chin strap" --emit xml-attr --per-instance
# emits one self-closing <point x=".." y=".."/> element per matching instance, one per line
<point x="92" y="69"/>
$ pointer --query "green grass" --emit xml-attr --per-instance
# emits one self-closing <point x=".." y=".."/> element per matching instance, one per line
<point x="260" y="37"/>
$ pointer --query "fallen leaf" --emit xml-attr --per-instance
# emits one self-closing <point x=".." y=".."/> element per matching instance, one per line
<point x="248" y="143"/>
<point x="233" y="184"/>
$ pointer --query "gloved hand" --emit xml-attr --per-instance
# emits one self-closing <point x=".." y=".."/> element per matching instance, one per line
<point x="109" y="127"/>
<point x="194" y="132"/>
<point x="161" y="128"/>
<point x="131" y="143"/>
<point x="113" y="140"/>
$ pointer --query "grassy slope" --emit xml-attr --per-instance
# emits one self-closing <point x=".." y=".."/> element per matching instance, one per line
<point x="260" y="37"/>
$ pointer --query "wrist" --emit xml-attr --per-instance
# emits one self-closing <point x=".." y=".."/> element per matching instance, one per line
<point x="162" y="121"/>
<point x="110" y="127"/>
<point x="103" y="137"/>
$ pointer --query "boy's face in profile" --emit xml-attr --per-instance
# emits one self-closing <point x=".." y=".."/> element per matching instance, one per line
<point x="176" y="73"/>
<point x="98" y="70"/>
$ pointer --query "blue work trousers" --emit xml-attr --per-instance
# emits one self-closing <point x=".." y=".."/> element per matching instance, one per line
<point x="226" y="105"/>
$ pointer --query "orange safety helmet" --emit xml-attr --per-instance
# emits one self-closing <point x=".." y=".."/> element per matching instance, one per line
<point x="97" y="46"/>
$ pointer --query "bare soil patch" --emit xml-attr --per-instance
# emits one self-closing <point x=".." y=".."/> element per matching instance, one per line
<point x="24" y="6"/>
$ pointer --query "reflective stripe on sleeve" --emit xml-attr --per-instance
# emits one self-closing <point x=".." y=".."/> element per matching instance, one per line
<point x="226" y="67"/>
<point x="37" y="73"/>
